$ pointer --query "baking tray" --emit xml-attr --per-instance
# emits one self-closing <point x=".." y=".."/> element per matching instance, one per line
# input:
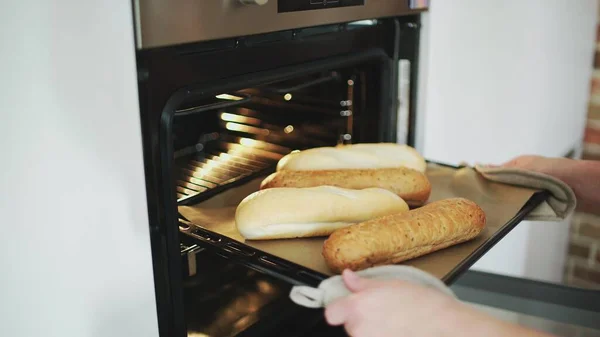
<point x="210" y="223"/>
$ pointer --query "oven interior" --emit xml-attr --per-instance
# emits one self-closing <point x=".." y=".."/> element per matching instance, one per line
<point x="239" y="134"/>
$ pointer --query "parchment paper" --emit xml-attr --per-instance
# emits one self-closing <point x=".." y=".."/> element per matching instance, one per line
<point x="500" y="203"/>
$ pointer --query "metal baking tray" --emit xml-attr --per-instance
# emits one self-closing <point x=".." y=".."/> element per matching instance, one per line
<point x="210" y="224"/>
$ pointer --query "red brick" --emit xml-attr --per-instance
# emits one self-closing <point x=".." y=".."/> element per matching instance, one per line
<point x="593" y="111"/>
<point x="589" y="230"/>
<point x="592" y="136"/>
<point x="579" y="250"/>
<point x="595" y="81"/>
<point x="590" y="156"/>
<point x="593" y="124"/>
<point x="590" y="150"/>
<point x="587" y="274"/>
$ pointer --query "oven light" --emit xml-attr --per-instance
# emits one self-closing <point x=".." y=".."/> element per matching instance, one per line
<point x="209" y="166"/>
<point x="232" y="153"/>
<point x="288" y="129"/>
<point x="248" y="142"/>
<point x="229" y="97"/>
<point x="287" y="97"/>
<point x="228" y="117"/>
<point x="233" y="126"/>
<point x="245" y="128"/>
<point x="235" y="152"/>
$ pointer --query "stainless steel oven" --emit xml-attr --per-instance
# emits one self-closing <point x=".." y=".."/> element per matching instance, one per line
<point x="226" y="89"/>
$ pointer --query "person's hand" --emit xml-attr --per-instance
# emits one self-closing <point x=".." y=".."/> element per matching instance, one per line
<point x="532" y="163"/>
<point x="392" y="308"/>
<point x="397" y="308"/>
<point x="583" y="176"/>
<point x="556" y="167"/>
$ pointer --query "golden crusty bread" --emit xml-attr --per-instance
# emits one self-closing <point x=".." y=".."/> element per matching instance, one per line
<point x="411" y="185"/>
<point x="281" y="213"/>
<point x="396" y="238"/>
<point x="354" y="156"/>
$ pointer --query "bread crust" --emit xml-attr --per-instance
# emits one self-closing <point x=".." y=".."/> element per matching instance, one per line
<point x="411" y="185"/>
<point x="400" y="237"/>
<point x="279" y="213"/>
<point x="354" y="156"/>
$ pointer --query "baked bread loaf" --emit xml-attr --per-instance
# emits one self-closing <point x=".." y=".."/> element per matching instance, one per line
<point x="411" y="185"/>
<point x="279" y="213"/>
<point x="396" y="238"/>
<point x="354" y="156"/>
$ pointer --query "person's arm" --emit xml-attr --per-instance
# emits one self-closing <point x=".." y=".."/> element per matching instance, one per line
<point x="396" y="308"/>
<point x="582" y="175"/>
<point x="470" y="322"/>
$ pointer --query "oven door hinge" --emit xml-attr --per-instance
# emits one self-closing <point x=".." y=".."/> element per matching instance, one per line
<point x="190" y="254"/>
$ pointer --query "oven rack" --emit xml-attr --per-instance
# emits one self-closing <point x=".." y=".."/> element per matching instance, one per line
<point x="250" y="140"/>
<point x="294" y="87"/>
<point x="252" y="258"/>
<point x="267" y="125"/>
<point x="279" y="116"/>
<point x="249" y="143"/>
<point x="286" y="95"/>
<point x="219" y="165"/>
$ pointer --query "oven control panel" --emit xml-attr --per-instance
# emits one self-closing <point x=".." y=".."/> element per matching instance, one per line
<point x="202" y="20"/>
<point x="284" y="6"/>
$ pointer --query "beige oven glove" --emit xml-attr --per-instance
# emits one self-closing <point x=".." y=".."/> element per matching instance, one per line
<point x="334" y="288"/>
<point x="558" y="206"/>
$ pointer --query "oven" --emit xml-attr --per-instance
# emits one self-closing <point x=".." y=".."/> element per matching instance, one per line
<point x="227" y="88"/>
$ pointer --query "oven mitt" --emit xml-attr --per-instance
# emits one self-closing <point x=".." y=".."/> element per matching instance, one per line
<point x="558" y="206"/>
<point x="334" y="288"/>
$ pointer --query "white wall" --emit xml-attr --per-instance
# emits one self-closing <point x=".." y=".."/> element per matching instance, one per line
<point x="499" y="67"/>
<point x="74" y="245"/>
<point x="502" y="78"/>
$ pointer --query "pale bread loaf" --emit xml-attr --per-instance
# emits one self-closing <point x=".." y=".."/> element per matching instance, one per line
<point x="411" y="185"/>
<point x="279" y="213"/>
<point x="400" y="237"/>
<point x="354" y="156"/>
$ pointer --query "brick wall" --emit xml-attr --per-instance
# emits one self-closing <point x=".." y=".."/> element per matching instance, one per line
<point x="583" y="262"/>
